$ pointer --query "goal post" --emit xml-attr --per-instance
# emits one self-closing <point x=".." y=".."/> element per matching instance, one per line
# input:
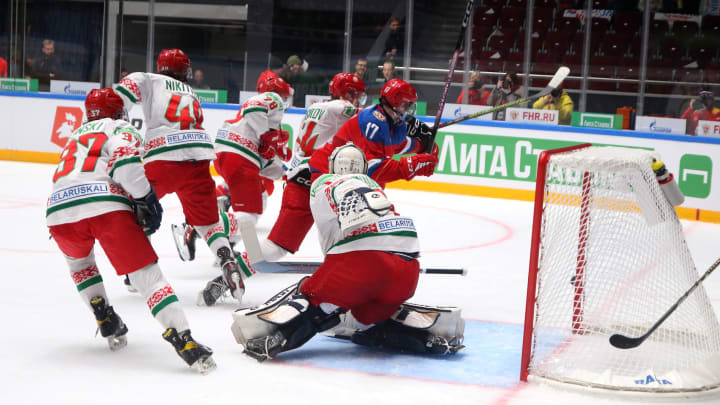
<point x="608" y="256"/>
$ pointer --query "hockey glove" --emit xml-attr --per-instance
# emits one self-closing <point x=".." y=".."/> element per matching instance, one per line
<point x="274" y="143"/>
<point x="422" y="164"/>
<point x="148" y="212"/>
<point x="418" y="130"/>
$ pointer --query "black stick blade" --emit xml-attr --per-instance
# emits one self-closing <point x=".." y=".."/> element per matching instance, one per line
<point x="624" y="342"/>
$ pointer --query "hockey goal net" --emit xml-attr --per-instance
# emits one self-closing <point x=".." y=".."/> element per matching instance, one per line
<point x="609" y="256"/>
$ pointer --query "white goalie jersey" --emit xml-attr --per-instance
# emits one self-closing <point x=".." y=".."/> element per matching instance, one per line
<point x="241" y="135"/>
<point x="321" y="122"/>
<point x="99" y="166"/>
<point x="173" y="117"/>
<point x="352" y="213"/>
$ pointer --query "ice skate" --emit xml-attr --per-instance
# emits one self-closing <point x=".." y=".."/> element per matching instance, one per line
<point x="109" y="323"/>
<point x="266" y="347"/>
<point x="231" y="272"/>
<point x="213" y="291"/>
<point x="185" y="236"/>
<point x="196" y="355"/>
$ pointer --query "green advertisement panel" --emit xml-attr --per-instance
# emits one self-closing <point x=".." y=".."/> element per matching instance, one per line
<point x="695" y="175"/>
<point x="491" y="156"/>
<point x="595" y="120"/>
<point x="13" y="84"/>
<point x="211" y="96"/>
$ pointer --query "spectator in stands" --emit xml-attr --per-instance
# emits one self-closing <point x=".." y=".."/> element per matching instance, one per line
<point x="559" y="100"/>
<point x="276" y="66"/>
<point x="476" y="94"/>
<point x="394" y="43"/>
<point x="388" y="71"/>
<point x="45" y="67"/>
<point x="361" y="67"/>
<point x="124" y="72"/>
<point x="198" y="81"/>
<point x="3" y="67"/>
<point x="703" y="108"/>
<point x="509" y="88"/>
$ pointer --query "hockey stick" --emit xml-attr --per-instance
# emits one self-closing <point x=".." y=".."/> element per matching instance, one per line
<point x="448" y="79"/>
<point x="310" y="267"/>
<point x="556" y="80"/>
<point x="626" y="342"/>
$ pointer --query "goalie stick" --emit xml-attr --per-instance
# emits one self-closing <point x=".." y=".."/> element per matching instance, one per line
<point x="258" y="262"/>
<point x="556" y="80"/>
<point x="448" y="79"/>
<point x="626" y="342"/>
<point x="310" y="267"/>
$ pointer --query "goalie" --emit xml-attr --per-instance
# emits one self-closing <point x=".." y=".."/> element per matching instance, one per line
<point x="370" y="269"/>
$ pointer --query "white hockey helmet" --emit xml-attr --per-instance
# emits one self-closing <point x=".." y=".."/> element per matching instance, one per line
<point x="348" y="159"/>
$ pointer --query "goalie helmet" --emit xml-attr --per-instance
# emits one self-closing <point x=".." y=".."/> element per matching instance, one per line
<point x="400" y="96"/>
<point x="349" y="87"/>
<point x="348" y="159"/>
<point x="174" y="63"/>
<point x="269" y="81"/>
<point x="103" y="103"/>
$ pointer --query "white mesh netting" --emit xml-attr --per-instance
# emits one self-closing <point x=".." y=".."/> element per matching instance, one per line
<point x="636" y="265"/>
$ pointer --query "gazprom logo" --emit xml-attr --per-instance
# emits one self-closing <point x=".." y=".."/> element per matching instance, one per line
<point x="457" y="112"/>
<point x="655" y="128"/>
<point x="75" y="92"/>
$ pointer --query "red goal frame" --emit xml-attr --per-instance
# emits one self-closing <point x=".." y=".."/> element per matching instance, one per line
<point x="535" y="252"/>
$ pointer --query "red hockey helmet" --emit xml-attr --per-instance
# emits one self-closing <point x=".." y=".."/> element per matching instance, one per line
<point x="399" y="95"/>
<point x="174" y="62"/>
<point x="348" y="86"/>
<point x="103" y="103"/>
<point x="269" y="81"/>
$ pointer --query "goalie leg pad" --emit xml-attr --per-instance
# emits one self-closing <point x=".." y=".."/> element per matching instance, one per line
<point x="413" y="328"/>
<point x="247" y="323"/>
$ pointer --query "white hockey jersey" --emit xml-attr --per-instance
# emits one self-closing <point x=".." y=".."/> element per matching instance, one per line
<point x="173" y="117"/>
<point x="241" y="135"/>
<point x="352" y="213"/>
<point x="99" y="166"/>
<point x="321" y="122"/>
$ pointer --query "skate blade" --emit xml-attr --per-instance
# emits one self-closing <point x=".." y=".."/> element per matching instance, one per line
<point x="204" y="365"/>
<point x="179" y="237"/>
<point x="117" y="342"/>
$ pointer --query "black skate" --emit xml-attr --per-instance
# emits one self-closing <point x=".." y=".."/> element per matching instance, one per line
<point x="109" y="323"/>
<point x="214" y="290"/>
<point x="265" y="347"/>
<point x="185" y="236"/>
<point x="196" y="355"/>
<point x="231" y="272"/>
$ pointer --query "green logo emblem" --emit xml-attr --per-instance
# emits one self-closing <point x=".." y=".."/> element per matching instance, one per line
<point x="695" y="175"/>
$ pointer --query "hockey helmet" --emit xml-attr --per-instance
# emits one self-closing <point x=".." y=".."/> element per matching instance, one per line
<point x="348" y="159"/>
<point x="103" y="103"/>
<point x="269" y="81"/>
<point x="348" y="86"/>
<point x="400" y="96"/>
<point x="174" y="63"/>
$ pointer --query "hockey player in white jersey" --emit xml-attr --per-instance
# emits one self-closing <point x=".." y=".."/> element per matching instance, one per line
<point x="321" y="122"/>
<point x="359" y="291"/>
<point x="97" y="186"/>
<point x="177" y="155"/>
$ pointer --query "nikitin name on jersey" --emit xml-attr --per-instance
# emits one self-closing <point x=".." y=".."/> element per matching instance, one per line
<point x="78" y="191"/>
<point x="186" y="137"/>
<point x="396" y="224"/>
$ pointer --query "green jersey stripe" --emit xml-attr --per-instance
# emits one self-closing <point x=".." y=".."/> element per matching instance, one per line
<point x="134" y="159"/>
<point x="241" y="148"/>
<point x="410" y="234"/>
<point x="164" y="149"/>
<point x="162" y="304"/>
<point x="127" y="94"/>
<point x="89" y="200"/>
<point x="91" y="281"/>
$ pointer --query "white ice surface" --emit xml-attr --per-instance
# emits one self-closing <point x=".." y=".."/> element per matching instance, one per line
<point x="49" y="354"/>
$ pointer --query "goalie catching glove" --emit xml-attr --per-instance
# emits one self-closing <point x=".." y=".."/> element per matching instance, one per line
<point x="422" y="164"/>
<point x="274" y="143"/>
<point x="148" y="212"/>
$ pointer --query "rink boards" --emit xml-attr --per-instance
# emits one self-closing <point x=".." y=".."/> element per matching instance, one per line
<point x="483" y="158"/>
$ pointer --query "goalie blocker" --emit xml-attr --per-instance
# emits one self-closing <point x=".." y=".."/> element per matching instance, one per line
<point x="288" y="320"/>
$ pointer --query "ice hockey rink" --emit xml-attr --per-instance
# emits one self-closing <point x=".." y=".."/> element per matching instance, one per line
<point x="50" y="355"/>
